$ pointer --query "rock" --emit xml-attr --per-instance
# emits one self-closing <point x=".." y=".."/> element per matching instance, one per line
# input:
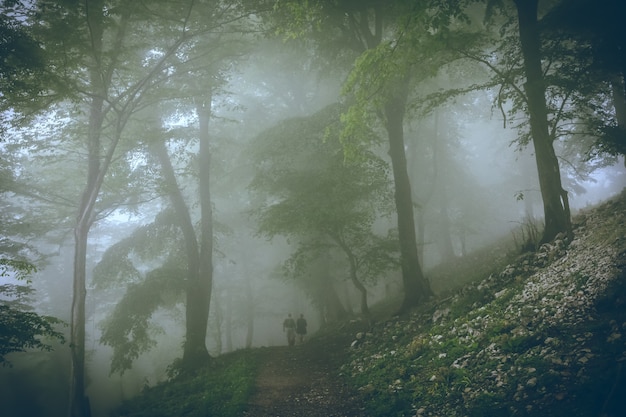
<point x="439" y="314"/>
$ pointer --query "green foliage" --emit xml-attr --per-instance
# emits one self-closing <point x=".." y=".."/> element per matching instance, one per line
<point x="128" y="328"/>
<point x="21" y="59"/>
<point x="584" y="38"/>
<point x="318" y="190"/>
<point x="157" y="240"/>
<point x="220" y="389"/>
<point x="21" y="329"/>
<point x="18" y="268"/>
<point x="328" y="202"/>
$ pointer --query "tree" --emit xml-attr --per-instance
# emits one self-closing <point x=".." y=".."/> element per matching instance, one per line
<point x="526" y="46"/>
<point x="199" y="254"/>
<point x="555" y="200"/>
<point x="100" y="73"/>
<point x="312" y="268"/>
<point x="361" y="31"/>
<point x="185" y="255"/>
<point x="325" y="201"/>
<point x="197" y="82"/>
<point x="104" y="63"/>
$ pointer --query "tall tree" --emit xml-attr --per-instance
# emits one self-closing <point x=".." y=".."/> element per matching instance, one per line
<point x="416" y="287"/>
<point x="328" y="204"/>
<point x="519" y="39"/>
<point x="100" y="61"/>
<point x="361" y="34"/>
<point x="195" y="82"/>
<point x="385" y="86"/>
<point x="555" y="199"/>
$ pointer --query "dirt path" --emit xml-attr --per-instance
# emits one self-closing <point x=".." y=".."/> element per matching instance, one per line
<point x="303" y="381"/>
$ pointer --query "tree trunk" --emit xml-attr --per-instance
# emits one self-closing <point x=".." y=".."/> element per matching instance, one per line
<point x="365" y="311"/>
<point x="333" y="309"/>
<point x="555" y="201"/>
<point x="348" y="298"/>
<point x="421" y="234"/>
<point x="618" y="95"/>
<point x="416" y="287"/>
<point x="249" y="313"/>
<point x="463" y="241"/>
<point x="444" y="234"/>
<point x="352" y="261"/>
<point x="228" y="325"/>
<point x="446" y="248"/>
<point x="218" y="322"/>
<point x="200" y="283"/>
<point x="79" y="403"/>
<point x="193" y="255"/>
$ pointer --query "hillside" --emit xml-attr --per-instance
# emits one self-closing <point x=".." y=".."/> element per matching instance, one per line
<point x="545" y="335"/>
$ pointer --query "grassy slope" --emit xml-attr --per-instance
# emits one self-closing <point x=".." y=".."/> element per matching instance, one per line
<point x="221" y="389"/>
<point x="543" y="336"/>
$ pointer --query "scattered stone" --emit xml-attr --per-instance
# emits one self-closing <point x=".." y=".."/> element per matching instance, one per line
<point x="439" y="314"/>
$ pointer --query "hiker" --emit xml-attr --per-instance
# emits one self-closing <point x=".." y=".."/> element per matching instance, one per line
<point x="290" y="326"/>
<point x="301" y="328"/>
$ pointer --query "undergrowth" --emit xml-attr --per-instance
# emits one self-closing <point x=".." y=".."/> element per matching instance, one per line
<point x="220" y="389"/>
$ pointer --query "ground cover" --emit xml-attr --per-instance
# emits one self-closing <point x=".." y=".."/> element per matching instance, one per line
<point x="544" y="334"/>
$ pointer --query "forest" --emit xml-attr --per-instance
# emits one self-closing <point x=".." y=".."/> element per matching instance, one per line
<point x="177" y="176"/>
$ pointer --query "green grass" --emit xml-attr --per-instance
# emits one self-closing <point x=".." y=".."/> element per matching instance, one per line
<point x="220" y="389"/>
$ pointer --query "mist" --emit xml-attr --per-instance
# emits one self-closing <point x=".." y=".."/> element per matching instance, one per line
<point x="472" y="173"/>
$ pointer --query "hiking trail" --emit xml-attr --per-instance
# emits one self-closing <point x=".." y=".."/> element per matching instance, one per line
<point x="303" y="381"/>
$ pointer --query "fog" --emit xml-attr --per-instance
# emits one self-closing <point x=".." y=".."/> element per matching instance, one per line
<point x="471" y="181"/>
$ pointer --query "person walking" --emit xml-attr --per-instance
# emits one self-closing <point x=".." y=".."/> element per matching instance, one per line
<point x="301" y="328"/>
<point x="289" y="326"/>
